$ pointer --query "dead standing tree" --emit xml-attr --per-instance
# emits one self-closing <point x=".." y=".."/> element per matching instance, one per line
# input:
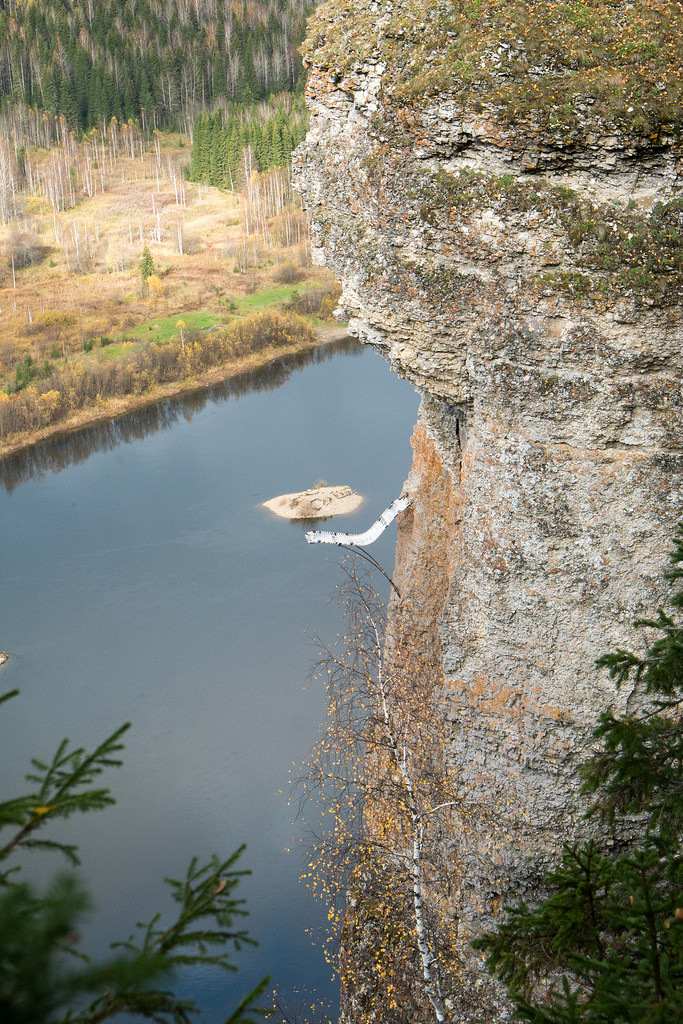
<point x="378" y="775"/>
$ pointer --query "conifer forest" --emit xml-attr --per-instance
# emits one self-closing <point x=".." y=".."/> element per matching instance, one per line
<point x="160" y="60"/>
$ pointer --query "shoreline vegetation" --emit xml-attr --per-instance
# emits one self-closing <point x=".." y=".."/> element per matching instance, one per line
<point x="120" y="405"/>
<point x="123" y="282"/>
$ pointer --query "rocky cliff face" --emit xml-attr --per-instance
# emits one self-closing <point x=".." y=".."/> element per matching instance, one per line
<point x="525" y="275"/>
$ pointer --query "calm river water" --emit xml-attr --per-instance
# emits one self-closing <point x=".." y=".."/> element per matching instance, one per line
<point x="143" y="581"/>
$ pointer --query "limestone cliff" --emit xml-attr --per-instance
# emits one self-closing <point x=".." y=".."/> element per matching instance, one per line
<point x="507" y="221"/>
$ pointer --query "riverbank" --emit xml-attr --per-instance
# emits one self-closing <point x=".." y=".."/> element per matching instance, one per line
<point x="146" y="536"/>
<point x="111" y="408"/>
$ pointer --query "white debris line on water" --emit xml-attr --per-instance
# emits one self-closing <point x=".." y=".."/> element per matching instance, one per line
<point x="361" y="539"/>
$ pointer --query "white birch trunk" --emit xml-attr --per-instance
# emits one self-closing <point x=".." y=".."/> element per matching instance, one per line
<point x="402" y="760"/>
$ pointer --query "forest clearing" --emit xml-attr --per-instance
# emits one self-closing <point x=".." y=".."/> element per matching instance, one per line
<point x="122" y="280"/>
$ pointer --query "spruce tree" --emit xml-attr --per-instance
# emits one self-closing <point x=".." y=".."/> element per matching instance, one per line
<point x="198" y="147"/>
<point x="277" y="152"/>
<point x="68" y="104"/>
<point x="130" y="101"/>
<point x="81" y="79"/>
<point x="220" y="87"/>
<point x="50" y="98"/>
<point x="258" y="144"/>
<point x="146" y="266"/>
<point x="233" y="152"/>
<point x="287" y="143"/>
<point x="217" y="153"/>
<point x="147" y="67"/>
<point x="248" y="88"/>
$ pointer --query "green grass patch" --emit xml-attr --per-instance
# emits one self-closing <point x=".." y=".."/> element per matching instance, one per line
<point x="114" y="351"/>
<point x="266" y="297"/>
<point x="164" y="328"/>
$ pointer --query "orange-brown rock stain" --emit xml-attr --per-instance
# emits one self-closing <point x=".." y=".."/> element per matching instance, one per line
<point x="429" y="535"/>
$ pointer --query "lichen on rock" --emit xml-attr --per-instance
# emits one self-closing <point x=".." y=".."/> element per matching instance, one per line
<point x="500" y="193"/>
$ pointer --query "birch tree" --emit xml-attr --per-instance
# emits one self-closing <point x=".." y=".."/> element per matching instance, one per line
<point x="378" y="777"/>
<point x="8" y="184"/>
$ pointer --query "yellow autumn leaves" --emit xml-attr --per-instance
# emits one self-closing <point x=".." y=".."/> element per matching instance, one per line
<point x="77" y="386"/>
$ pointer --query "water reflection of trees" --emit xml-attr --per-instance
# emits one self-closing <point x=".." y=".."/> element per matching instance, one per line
<point x="63" y="450"/>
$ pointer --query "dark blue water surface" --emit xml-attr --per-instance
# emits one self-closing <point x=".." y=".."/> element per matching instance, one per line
<point x="142" y="580"/>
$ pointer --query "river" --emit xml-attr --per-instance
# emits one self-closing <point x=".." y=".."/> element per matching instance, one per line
<point x="143" y="581"/>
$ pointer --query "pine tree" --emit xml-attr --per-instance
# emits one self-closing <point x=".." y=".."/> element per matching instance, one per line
<point x="612" y="929"/>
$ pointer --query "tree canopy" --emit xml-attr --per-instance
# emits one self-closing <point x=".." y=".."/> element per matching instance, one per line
<point x="158" y="60"/>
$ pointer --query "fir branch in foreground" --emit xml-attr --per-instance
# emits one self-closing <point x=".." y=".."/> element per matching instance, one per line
<point x="44" y="976"/>
<point x="202" y="934"/>
<point x="62" y="787"/>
